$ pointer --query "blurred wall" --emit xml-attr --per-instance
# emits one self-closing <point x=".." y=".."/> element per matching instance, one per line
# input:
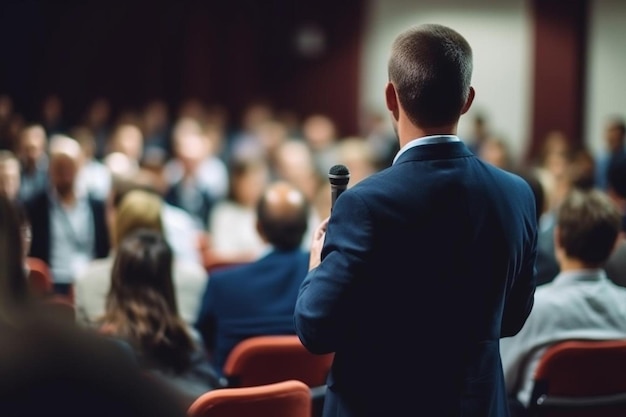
<point x="606" y="72"/>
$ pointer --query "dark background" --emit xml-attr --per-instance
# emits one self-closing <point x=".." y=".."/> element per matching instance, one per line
<point x="227" y="53"/>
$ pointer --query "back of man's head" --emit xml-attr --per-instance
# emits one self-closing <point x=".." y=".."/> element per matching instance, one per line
<point x="588" y="224"/>
<point x="282" y="216"/>
<point x="431" y="69"/>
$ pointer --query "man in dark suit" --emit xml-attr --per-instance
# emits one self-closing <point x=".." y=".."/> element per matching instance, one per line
<point x="422" y="267"/>
<point x="259" y="298"/>
<point x="68" y="228"/>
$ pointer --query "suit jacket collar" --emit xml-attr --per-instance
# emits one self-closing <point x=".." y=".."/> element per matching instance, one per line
<point x="448" y="150"/>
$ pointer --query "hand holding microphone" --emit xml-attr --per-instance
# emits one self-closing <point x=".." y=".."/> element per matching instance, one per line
<point x="339" y="176"/>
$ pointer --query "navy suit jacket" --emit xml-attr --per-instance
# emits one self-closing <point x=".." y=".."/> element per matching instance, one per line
<point x="425" y="266"/>
<point x="38" y="210"/>
<point x="251" y="300"/>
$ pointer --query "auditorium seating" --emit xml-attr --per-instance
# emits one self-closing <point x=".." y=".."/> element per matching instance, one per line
<point x="267" y="359"/>
<point x="290" y="398"/>
<point x="581" y="378"/>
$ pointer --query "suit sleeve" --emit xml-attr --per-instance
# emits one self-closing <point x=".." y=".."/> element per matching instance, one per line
<point x="324" y="308"/>
<point x="520" y="298"/>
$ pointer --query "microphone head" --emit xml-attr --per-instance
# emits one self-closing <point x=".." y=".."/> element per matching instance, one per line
<point x="339" y="175"/>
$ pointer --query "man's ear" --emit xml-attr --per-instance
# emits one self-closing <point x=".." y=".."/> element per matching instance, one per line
<point x="391" y="98"/>
<point x="469" y="101"/>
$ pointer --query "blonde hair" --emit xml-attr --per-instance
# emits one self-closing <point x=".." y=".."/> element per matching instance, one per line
<point x="138" y="209"/>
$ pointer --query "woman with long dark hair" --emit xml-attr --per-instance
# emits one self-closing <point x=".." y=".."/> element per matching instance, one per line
<point x="141" y="310"/>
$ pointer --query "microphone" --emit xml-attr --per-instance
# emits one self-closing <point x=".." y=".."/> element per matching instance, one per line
<point x="338" y="175"/>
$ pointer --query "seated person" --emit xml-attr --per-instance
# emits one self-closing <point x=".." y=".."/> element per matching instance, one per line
<point x="581" y="302"/>
<point x="141" y="310"/>
<point x="259" y="298"/>
<point x="52" y="368"/>
<point x="135" y="209"/>
<point x="68" y="227"/>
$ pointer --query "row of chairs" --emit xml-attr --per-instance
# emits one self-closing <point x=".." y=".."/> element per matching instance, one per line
<point x="276" y="376"/>
<point x="581" y="378"/>
<point x="265" y="375"/>
<point x="575" y="378"/>
<point x="268" y="376"/>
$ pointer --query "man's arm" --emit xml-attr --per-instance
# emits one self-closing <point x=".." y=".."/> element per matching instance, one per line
<point x="323" y="310"/>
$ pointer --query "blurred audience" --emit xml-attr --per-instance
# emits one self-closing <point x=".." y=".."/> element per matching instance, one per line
<point x="7" y="139"/>
<point x="295" y="163"/>
<point x="320" y="134"/>
<point x="9" y="175"/>
<point x="616" y="189"/>
<point x="127" y="139"/>
<point x="232" y="235"/>
<point x="52" y="115"/>
<point x="358" y="156"/>
<point x="68" y="227"/>
<point x="195" y="176"/>
<point x="50" y="367"/>
<point x="32" y="150"/>
<point x="129" y="210"/>
<point x="259" y="298"/>
<point x="581" y="302"/>
<point x="495" y="150"/>
<point x="576" y="173"/>
<point x="614" y="147"/>
<point x="244" y="140"/>
<point x="98" y="120"/>
<point x="94" y="177"/>
<point x="156" y="130"/>
<point x="378" y="132"/>
<point x="479" y="133"/>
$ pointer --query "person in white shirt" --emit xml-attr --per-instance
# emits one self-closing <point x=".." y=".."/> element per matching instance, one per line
<point x="580" y="303"/>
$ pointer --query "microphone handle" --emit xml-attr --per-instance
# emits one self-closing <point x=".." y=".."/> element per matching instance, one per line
<point x="335" y="192"/>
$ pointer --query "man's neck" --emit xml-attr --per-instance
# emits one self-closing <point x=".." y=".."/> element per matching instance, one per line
<point x="407" y="131"/>
<point x="570" y="264"/>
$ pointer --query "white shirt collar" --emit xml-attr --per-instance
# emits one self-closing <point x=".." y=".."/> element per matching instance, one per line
<point x="426" y="140"/>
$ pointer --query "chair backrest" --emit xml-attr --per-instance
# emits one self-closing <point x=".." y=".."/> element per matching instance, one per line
<point x="61" y="308"/>
<point x="266" y="359"/>
<point x="585" y="377"/>
<point x="289" y="398"/>
<point x="39" y="277"/>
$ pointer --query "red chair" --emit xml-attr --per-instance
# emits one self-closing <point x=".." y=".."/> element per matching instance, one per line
<point x="266" y="359"/>
<point x="39" y="277"/>
<point x="581" y="378"/>
<point x="282" y="399"/>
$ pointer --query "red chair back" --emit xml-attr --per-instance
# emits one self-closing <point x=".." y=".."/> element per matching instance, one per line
<point x="581" y="378"/>
<point x="39" y="277"/>
<point x="267" y="359"/>
<point x="282" y="399"/>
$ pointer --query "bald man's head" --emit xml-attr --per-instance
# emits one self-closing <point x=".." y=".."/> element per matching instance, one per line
<point x="65" y="161"/>
<point x="282" y="215"/>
